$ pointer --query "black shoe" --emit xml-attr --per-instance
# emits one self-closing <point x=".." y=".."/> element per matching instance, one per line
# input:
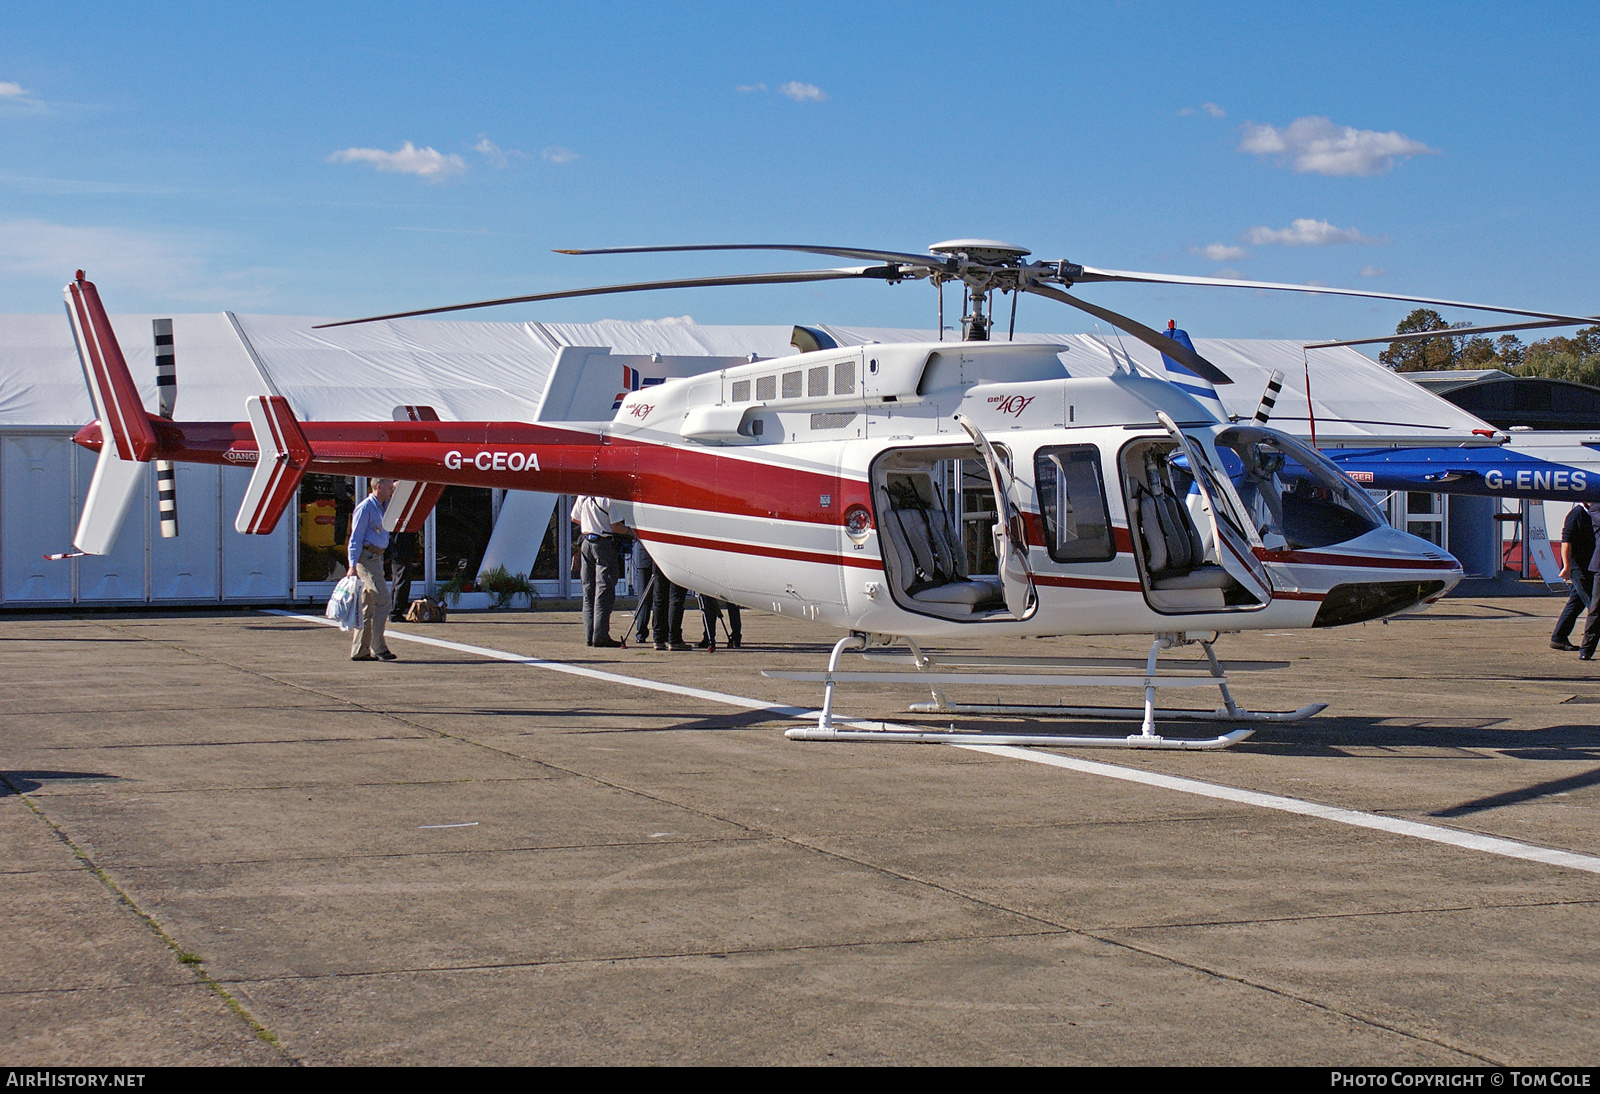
<point x="363" y="657"/>
<point x="680" y="646"/>
<point x="735" y="642"/>
<point x="607" y="643"/>
<point x="388" y="655"/>
<point x="1564" y="647"/>
<point x="661" y="646"/>
<point x="704" y="643"/>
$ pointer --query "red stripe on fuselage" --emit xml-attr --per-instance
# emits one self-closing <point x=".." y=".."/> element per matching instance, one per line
<point x="1317" y="558"/>
<point x="824" y="558"/>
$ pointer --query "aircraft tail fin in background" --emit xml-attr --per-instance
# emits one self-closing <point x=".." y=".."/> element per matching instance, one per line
<point x="1179" y="374"/>
<point x="122" y="415"/>
<point x="283" y="454"/>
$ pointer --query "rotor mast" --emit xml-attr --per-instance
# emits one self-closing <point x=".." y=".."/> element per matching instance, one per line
<point x="982" y="266"/>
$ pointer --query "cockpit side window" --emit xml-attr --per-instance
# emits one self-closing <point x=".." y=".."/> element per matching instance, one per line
<point x="1072" y="503"/>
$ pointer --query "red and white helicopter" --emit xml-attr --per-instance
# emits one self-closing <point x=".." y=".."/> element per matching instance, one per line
<point x="819" y="486"/>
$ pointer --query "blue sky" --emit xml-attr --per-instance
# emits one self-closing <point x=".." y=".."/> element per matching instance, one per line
<point x="339" y="160"/>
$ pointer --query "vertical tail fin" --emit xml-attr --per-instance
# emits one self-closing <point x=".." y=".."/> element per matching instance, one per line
<point x="282" y="456"/>
<point x="127" y="435"/>
<point x="116" y="397"/>
<point x="1182" y="376"/>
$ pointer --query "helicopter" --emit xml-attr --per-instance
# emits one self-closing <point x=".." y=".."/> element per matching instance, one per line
<point x="819" y="486"/>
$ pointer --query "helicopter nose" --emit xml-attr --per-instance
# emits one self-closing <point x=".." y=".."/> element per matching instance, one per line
<point x="1383" y="572"/>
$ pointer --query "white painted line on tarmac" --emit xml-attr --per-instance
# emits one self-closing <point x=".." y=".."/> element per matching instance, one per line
<point x="1471" y="841"/>
<point x="575" y="670"/>
<point x="1394" y="825"/>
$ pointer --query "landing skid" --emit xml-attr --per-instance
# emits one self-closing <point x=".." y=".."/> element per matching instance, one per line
<point x="928" y="672"/>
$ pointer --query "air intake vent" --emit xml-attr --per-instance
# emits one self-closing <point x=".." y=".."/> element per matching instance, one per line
<point x="844" y="378"/>
<point x="741" y="391"/>
<point x="791" y="384"/>
<point x="766" y="388"/>
<point x="832" y="419"/>
<point x="817" y="381"/>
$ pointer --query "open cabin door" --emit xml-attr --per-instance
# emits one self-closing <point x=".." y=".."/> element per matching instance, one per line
<point x="1012" y="550"/>
<point x="1233" y="548"/>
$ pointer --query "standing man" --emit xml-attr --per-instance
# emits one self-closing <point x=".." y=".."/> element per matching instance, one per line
<point x="367" y="542"/>
<point x="404" y="558"/>
<point x="1577" y="550"/>
<point x="1591" y="627"/>
<point x="601" y="566"/>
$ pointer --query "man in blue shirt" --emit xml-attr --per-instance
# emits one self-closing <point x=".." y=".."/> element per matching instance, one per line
<point x="367" y="542"/>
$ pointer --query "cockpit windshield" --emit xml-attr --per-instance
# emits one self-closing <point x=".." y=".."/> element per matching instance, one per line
<point x="1295" y="497"/>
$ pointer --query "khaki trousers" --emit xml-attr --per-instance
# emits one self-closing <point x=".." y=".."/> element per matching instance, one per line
<point x="375" y="605"/>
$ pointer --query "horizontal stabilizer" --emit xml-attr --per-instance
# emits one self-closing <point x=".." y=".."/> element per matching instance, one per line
<point x="116" y="397"/>
<point x="111" y="492"/>
<point x="409" y="508"/>
<point x="283" y="454"/>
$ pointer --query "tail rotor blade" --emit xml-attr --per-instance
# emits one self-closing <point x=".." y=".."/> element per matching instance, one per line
<point x="166" y="401"/>
<point x="1152" y="338"/>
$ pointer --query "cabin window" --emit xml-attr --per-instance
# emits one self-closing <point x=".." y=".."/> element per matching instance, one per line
<point x="844" y="378"/>
<point x="1072" y="503"/>
<point x="817" y="381"/>
<point x="766" y="388"/>
<point x="741" y="391"/>
<point x="791" y="384"/>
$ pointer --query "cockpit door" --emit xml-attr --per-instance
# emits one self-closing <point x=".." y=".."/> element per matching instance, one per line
<point x="1233" y="547"/>
<point x="1015" y="575"/>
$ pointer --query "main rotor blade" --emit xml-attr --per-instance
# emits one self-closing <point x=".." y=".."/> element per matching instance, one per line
<point x="883" y="273"/>
<point x="1155" y="340"/>
<point x="1449" y="332"/>
<point x="929" y="262"/>
<point x="1090" y="274"/>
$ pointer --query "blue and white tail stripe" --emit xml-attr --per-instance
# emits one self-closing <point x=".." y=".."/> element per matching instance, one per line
<point x="1180" y="375"/>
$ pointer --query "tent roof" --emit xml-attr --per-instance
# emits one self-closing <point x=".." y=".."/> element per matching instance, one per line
<point x="477" y="371"/>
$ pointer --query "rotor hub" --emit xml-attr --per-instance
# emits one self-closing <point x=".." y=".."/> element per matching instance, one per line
<point x="981" y="250"/>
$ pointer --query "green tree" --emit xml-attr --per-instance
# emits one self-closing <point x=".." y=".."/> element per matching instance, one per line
<point x="1421" y="354"/>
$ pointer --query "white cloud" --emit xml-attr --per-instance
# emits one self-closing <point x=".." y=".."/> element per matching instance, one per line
<point x="1373" y="271"/>
<point x="1219" y="252"/>
<point x="560" y="155"/>
<point x="1315" y="145"/>
<point x="497" y="156"/>
<point x="409" y="160"/>
<point x="745" y="89"/>
<point x="1211" y="109"/>
<point x="1305" y="232"/>
<point x="13" y="96"/>
<point x="803" y="93"/>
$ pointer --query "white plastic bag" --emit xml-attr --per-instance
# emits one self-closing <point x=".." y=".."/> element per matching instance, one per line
<point x="344" y="605"/>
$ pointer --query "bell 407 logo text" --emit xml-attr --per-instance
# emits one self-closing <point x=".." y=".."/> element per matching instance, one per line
<point x="489" y="460"/>
<point x="1013" y="405"/>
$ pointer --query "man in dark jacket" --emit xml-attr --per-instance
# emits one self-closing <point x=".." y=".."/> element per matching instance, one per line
<point x="1592" y="624"/>
<point x="1577" y="551"/>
